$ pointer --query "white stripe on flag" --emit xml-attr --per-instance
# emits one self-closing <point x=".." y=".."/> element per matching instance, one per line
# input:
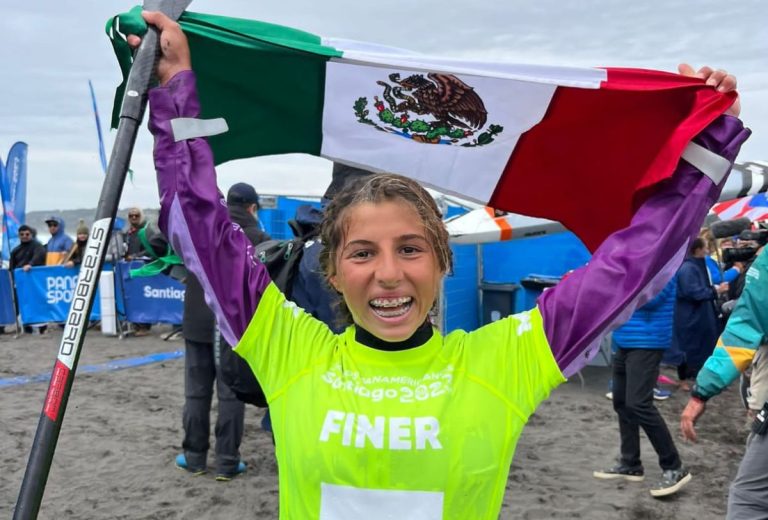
<point x="352" y="46"/>
<point x="581" y="77"/>
<point x="471" y="172"/>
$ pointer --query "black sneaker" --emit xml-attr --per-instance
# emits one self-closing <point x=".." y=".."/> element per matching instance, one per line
<point x="672" y="480"/>
<point x="635" y="474"/>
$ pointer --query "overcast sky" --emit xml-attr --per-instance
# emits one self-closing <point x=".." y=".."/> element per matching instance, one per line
<point x="50" y="49"/>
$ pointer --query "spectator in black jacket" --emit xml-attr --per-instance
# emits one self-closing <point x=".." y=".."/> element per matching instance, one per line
<point x="243" y="203"/>
<point x="29" y="252"/>
<point x="201" y="368"/>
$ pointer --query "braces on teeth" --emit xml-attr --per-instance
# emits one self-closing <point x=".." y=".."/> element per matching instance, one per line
<point x="390" y="302"/>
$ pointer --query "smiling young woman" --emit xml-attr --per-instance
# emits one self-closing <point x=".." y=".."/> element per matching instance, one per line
<point x="386" y="251"/>
<point x="390" y="419"/>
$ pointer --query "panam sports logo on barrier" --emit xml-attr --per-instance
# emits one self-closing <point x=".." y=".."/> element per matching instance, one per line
<point x="45" y="294"/>
<point x="60" y="289"/>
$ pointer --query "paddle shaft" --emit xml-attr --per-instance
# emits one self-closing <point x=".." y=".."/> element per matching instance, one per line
<point x="131" y="115"/>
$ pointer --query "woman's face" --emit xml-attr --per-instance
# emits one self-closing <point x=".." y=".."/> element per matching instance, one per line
<point x="386" y="269"/>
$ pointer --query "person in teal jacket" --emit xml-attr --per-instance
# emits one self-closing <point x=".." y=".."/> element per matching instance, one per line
<point x="745" y="333"/>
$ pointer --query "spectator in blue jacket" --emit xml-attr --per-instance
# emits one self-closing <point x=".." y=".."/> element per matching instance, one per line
<point x="640" y="343"/>
<point x="60" y="242"/>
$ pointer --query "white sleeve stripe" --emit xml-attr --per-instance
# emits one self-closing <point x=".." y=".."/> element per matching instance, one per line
<point x="189" y="127"/>
<point x="707" y="162"/>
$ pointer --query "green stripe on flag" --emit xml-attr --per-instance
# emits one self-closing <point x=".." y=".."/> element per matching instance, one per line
<point x="242" y="30"/>
<point x="266" y="80"/>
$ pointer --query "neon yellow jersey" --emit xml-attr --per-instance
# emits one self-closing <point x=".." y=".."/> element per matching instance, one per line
<point x="425" y="433"/>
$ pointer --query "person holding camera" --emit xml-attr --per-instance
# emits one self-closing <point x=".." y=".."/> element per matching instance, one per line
<point x="745" y="334"/>
<point x="743" y="254"/>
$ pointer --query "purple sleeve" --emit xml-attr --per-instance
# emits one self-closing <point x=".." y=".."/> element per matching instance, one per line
<point x="634" y="263"/>
<point x="193" y="214"/>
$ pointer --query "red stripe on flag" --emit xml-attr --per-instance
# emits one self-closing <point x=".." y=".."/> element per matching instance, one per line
<point x="591" y="160"/>
<point x="56" y="390"/>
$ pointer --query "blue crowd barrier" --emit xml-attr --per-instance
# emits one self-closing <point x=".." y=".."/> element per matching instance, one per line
<point x="7" y="312"/>
<point x="44" y="294"/>
<point x="149" y="299"/>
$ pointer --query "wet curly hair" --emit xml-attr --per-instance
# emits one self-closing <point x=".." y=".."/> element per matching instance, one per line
<point x="375" y="189"/>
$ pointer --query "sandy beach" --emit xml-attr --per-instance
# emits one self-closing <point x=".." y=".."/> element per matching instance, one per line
<point x="122" y="430"/>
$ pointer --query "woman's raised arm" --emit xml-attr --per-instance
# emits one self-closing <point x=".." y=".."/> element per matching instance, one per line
<point x="193" y="214"/>
<point x="635" y="263"/>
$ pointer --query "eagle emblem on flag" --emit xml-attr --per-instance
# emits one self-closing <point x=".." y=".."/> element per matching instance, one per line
<point x="436" y="109"/>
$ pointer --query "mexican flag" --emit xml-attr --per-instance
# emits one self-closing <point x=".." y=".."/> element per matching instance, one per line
<point x="577" y="145"/>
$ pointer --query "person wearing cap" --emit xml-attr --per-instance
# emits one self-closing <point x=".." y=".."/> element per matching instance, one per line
<point x="75" y="257"/>
<point x="60" y="243"/>
<point x="201" y="369"/>
<point x="243" y="204"/>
